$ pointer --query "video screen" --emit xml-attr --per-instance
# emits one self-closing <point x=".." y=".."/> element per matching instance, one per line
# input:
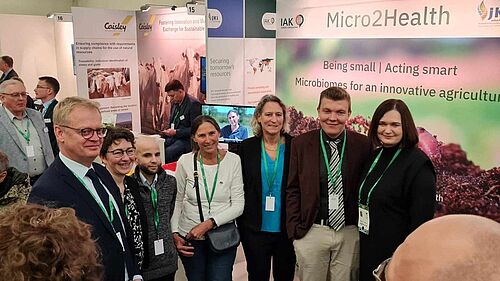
<point x="234" y="121"/>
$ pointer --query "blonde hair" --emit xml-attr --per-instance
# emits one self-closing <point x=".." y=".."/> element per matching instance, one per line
<point x="64" y="108"/>
<point x="256" y="127"/>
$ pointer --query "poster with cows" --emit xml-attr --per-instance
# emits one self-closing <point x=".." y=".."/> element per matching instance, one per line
<point x="106" y="62"/>
<point x="170" y="44"/>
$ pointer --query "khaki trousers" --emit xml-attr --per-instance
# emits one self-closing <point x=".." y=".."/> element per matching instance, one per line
<point x="328" y="255"/>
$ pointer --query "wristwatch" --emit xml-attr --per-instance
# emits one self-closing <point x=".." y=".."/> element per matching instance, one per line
<point x="214" y="223"/>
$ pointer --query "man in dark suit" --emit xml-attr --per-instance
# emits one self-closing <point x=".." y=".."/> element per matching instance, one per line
<point x="6" y="64"/>
<point x="46" y="90"/>
<point x="74" y="181"/>
<point x="321" y="198"/>
<point x="185" y="108"/>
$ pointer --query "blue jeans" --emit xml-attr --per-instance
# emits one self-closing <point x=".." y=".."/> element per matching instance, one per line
<point x="206" y="265"/>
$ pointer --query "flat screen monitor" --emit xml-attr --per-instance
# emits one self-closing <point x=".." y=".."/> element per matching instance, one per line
<point x="203" y="78"/>
<point x="227" y="114"/>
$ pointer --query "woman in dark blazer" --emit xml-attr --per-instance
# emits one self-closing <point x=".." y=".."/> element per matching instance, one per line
<point x="265" y="159"/>
<point x="398" y="188"/>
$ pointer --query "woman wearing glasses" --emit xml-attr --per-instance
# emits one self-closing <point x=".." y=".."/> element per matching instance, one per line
<point x="398" y="188"/>
<point x="221" y="194"/>
<point x="118" y="155"/>
<point x="265" y="160"/>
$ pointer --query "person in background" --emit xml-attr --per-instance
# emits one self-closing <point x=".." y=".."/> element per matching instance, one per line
<point x="448" y="248"/>
<point x="118" y="156"/>
<point x="74" y="181"/>
<point x="14" y="185"/>
<point x="24" y="137"/>
<point x="184" y="109"/>
<point x="44" y="244"/>
<point x="234" y="130"/>
<point x="321" y="198"/>
<point x="221" y="197"/>
<point x="262" y="224"/>
<point x="7" y="68"/>
<point x="46" y="91"/>
<point x="398" y="190"/>
<point x="157" y="190"/>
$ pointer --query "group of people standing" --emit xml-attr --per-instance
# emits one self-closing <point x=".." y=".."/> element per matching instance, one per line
<point x="330" y="204"/>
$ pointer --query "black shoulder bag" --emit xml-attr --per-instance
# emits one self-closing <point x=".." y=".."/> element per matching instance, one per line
<point x="220" y="238"/>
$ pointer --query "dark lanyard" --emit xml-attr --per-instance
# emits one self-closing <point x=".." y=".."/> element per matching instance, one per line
<point x="323" y="149"/>
<point x="209" y="198"/>
<point x="270" y="181"/>
<point x="371" y="169"/>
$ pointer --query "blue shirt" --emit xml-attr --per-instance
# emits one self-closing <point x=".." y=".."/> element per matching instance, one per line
<point x="271" y="220"/>
<point x="240" y="134"/>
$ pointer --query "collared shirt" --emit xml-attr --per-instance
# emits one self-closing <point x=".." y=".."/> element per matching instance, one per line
<point x="46" y="105"/>
<point x="81" y="172"/>
<point x="323" y="174"/>
<point x="36" y="163"/>
<point x="146" y="183"/>
<point x="5" y="74"/>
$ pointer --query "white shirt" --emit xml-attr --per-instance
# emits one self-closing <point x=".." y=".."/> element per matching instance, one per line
<point x="228" y="200"/>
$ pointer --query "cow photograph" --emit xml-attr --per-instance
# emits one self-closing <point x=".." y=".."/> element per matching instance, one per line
<point x="155" y="72"/>
<point x="108" y="82"/>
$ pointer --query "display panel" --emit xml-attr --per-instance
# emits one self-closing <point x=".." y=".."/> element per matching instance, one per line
<point x="234" y="121"/>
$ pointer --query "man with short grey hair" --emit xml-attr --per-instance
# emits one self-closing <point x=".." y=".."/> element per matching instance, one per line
<point x="24" y="136"/>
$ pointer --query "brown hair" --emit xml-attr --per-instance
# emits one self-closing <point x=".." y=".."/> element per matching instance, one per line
<point x="52" y="82"/>
<point x="8" y="60"/>
<point x="64" y="108"/>
<point x="410" y="135"/>
<point x="336" y="94"/>
<point x="256" y="126"/>
<point x="41" y="244"/>
<point x="174" y="85"/>
<point x="197" y="123"/>
<point x="113" y="135"/>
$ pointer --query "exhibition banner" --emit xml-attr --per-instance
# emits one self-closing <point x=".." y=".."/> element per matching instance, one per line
<point x="170" y="46"/>
<point x="241" y="45"/>
<point x="106" y="62"/>
<point x="440" y="58"/>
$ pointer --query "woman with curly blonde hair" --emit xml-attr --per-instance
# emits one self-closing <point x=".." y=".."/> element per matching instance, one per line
<point x="40" y="244"/>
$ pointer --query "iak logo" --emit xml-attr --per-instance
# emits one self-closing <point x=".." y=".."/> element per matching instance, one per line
<point x="292" y="22"/>
<point x="117" y="27"/>
<point x="492" y="14"/>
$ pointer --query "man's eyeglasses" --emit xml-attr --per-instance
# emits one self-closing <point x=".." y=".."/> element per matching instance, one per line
<point x="379" y="272"/>
<point x="41" y="87"/>
<point x="119" y="153"/>
<point x="88" y="133"/>
<point x="17" y="95"/>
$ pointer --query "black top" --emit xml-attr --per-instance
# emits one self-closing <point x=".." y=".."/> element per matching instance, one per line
<point x="182" y="116"/>
<point x="403" y="199"/>
<point x="50" y="126"/>
<point x="250" y="152"/>
<point x="323" y="173"/>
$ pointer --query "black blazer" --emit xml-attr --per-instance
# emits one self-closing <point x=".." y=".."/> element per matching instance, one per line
<point x="190" y="108"/>
<point x="59" y="187"/>
<point x="250" y="153"/>
<point x="9" y="75"/>
<point x="47" y="118"/>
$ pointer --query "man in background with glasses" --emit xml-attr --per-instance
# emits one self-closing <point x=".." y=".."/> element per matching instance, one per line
<point x="24" y="136"/>
<point x="46" y="91"/>
<point x="74" y="181"/>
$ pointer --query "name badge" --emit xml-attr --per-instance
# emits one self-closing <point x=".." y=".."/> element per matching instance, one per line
<point x="30" y="151"/>
<point x="172" y="126"/>
<point x="119" y="236"/>
<point x="333" y="201"/>
<point x="181" y="118"/>
<point x="47" y="120"/>
<point x="159" y="247"/>
<point x="270" y="203"/>
<point x="363" y="219"/>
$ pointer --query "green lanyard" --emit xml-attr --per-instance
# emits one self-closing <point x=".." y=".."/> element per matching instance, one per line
<point x="370" y="170"/>
<point x="110" y="216"/>
<point x="270" y="181"/>
<point x="323" y="149"/>
<point x="26" y="136"/>
<point x="209" y="198"/>
<point x="154" y="202"/>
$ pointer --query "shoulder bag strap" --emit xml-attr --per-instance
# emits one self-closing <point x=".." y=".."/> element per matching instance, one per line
<point x="197" y="187"/>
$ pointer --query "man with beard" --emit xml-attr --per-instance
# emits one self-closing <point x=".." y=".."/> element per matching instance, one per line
<point x="158" y="191"/>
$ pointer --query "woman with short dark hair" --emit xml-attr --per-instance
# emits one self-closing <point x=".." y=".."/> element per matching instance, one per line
<point x="398" y="188"/>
